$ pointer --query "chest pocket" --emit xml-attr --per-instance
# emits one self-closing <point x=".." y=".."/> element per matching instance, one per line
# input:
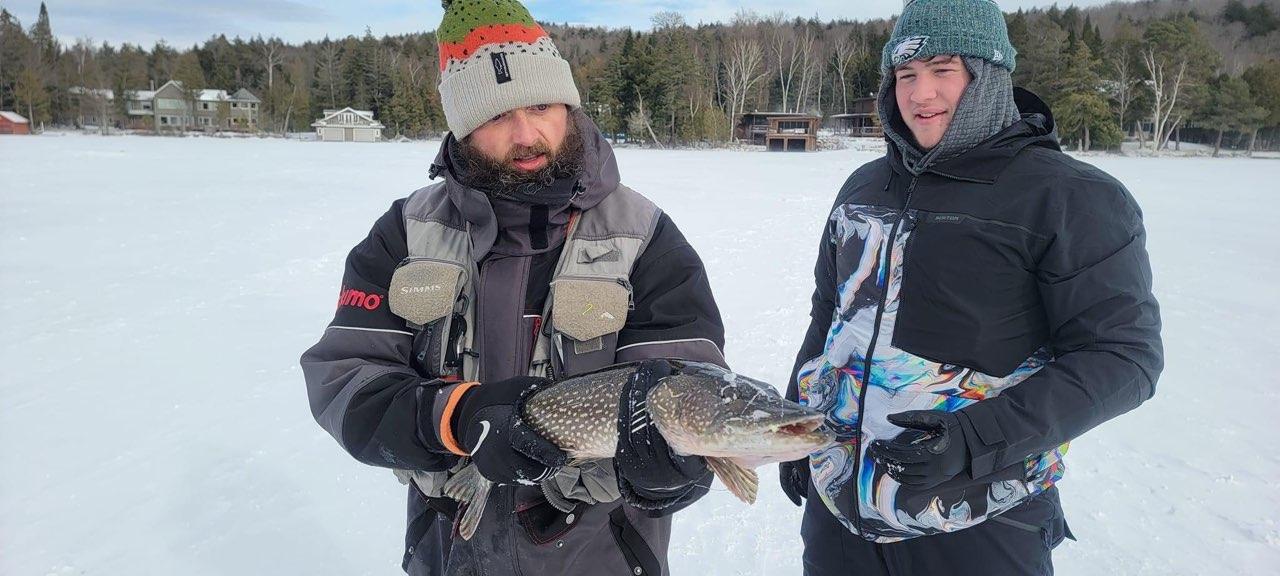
<point x="969" y="295"/>
<point x="587" y="314"/>
<point x="429" y="294"/>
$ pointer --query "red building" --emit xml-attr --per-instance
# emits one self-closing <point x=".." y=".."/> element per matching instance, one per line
<point x="14" y="123"/>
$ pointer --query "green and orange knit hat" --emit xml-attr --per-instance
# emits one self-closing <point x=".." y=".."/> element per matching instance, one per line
<point x="494" y="58"/>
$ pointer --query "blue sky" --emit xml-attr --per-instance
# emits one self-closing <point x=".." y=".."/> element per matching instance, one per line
<point x="184" y="22"/>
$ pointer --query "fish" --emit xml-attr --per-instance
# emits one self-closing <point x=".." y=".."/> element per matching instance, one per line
<point x="734" y="422"/>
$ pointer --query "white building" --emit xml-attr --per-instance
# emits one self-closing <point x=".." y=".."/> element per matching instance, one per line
<point x="348" y="125"/>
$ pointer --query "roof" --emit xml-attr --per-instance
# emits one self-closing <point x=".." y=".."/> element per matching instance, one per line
<point x="245" y="95"/>
<point x="331" y="114"/>
<point x="212" y="96"/>
<point x="206" y="95"/>
<point x="111" y="95"/>
<point x="14" y="117"/>
<point x="852" y="115"/>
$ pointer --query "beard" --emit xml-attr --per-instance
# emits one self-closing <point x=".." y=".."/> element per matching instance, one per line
<point x="500" y="178"/>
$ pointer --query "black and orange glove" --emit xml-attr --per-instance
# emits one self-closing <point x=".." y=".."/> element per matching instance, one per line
<point x="482" y="422"/>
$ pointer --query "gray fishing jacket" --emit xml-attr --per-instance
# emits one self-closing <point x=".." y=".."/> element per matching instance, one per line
<point x="371" y="373"/>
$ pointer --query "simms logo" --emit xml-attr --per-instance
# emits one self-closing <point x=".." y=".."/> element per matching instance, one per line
<point x="406" y="290"/>
<point x="357" y="299"/>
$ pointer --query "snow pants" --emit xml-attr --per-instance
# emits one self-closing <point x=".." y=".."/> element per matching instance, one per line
<point x="1019" y="542"/>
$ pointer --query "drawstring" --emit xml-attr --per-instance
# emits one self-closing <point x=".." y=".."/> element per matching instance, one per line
<point x="890" y="182"/>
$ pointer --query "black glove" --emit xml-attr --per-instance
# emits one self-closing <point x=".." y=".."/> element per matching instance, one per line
<point x="929" y="452"/>
<point x="650" y="475"/>
<point x="503" y="448"/>
<point x="794" y="477"/>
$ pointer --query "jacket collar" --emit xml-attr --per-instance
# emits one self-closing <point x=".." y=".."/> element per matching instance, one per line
<point x="985" y="162"/>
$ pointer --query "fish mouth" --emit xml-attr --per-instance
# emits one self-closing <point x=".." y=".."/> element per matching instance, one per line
<point x="798" y="426"/>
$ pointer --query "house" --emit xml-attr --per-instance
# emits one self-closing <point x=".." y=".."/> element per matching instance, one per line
<point x="863" y="121"/>
<point x="208" y="109"/>
<point x="792" y="133"/>
<point x="169" y="108"/>
<point x="14" y="123"/>
<point x="753" y="126"/>
<point x="348" y="125"/>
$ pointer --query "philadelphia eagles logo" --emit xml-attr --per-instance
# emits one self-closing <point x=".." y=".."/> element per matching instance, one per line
<point x="907" y="49"/>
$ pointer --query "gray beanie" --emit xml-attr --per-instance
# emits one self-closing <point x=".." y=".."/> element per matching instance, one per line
<point x="494" y="58"/>
<point x="927" y="28"/>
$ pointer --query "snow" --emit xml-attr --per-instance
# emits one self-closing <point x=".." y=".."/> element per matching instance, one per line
<point x="157" y="294"/>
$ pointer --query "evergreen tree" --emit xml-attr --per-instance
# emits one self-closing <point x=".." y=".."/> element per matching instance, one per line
<point x="1081" y="110"/>
<point x="31" y="97"/>
<point x="1230" y="107"/>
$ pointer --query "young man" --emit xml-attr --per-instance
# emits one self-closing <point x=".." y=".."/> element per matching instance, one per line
<point x="529" y="261"/>
<point x="982" y="299"/>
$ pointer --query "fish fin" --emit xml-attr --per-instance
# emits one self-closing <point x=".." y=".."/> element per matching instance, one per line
<point x="742" y="482"/>
<point x="462" y="486"/>
<point x="554" y="497"/>
<point x="471" y="490"/>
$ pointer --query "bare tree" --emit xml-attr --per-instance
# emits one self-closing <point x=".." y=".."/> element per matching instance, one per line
<point x="1166" y="81"/>
<point x="327" y="69"/>
<point x="742" y="71"/>
<point x="273" y="57"/>
<point x="809" y="65"/>
<point x="784" y="49"/>
<point x="846" y="52"/>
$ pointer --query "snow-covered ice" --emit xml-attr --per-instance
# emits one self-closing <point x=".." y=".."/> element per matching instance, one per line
<point x="158" y="292"/>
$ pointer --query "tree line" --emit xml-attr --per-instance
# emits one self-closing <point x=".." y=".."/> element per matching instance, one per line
<point x="1159" y="71"/>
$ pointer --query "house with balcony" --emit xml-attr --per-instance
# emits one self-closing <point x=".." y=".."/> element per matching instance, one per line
<point x="209" y="109"/>
<point x="170" y="108"/>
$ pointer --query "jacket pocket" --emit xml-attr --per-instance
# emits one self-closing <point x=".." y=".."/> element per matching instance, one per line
<point x="968" y="296"/>
<point x="586" y="315"/>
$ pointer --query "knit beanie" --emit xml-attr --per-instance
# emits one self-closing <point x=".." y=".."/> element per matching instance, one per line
<point x="494" y="58"/>
<point x="928" y="28"/>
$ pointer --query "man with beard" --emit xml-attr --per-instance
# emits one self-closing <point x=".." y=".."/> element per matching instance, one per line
<point x="529" y="262"/>
<point x="982" y="299"/>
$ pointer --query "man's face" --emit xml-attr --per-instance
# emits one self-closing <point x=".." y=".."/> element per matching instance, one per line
<point x="928" y="93"/>
<point x="524" y="140"/>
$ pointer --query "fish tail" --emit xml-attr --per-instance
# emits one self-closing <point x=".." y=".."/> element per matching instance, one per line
<point x="471" y="490"/>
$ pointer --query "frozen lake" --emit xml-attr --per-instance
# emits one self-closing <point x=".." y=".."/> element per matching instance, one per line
<point x="158" y="292"/>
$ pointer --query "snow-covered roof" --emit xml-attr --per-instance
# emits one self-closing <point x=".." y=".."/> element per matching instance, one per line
<point x="332" y="118"/>
<point x="100" y="92"/>
<point x="111" y="94"/>
<point x="14" y="117"/>
<point x="212" y="96"/>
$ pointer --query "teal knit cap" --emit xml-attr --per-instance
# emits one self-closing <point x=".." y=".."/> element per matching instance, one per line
<point x="928" y="28"/>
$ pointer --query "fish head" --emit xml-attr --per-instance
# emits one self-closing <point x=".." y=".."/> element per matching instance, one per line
<point x="705" y="410"/>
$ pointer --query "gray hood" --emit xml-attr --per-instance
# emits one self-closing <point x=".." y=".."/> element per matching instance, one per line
<point x="986" y="108"/>
<point x="500" y="225"/>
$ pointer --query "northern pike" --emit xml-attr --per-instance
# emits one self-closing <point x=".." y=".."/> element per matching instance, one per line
<point x="736" y="423"/>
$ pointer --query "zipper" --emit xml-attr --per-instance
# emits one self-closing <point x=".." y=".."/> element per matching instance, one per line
<point x="871" y="350"/>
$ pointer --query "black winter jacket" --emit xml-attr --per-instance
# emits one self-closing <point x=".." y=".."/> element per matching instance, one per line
<point x="1010" y="285"/>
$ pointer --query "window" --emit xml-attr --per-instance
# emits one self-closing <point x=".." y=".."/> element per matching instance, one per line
<point x="204" y="105"/>
<point x="164" y="120"/>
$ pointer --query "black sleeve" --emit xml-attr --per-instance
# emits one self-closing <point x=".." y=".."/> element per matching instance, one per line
<point x="822" y="309"/>
<point x="362" y="388"/>
<point x="1096" y="287"/>
<point x="675" y="313"/>
<point x="675" y="316"/>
